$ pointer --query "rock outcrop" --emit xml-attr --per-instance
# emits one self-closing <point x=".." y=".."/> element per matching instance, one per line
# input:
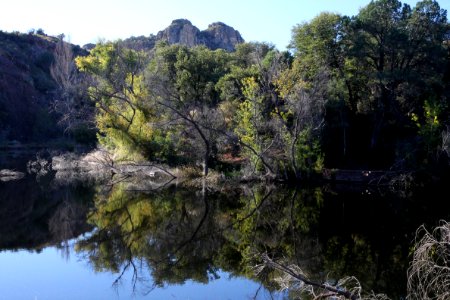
<point x="221" y="36"/>
<point x="181" y="31"/>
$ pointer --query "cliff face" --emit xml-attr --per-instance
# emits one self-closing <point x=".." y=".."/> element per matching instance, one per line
<point x="221" y="36"/>
<point x="216" y="36"/>
<point x="180" y="32"/>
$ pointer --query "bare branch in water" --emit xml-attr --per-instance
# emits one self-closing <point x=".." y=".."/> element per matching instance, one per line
<point x="294" y="278"/>
<point x="297" y="274"/>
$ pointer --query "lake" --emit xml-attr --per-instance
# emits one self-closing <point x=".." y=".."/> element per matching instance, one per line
<point x="70" y="238"/>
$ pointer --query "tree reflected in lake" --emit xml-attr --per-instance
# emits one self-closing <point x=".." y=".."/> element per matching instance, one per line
<point x="172" y="232"/>
<point x="177" y="234"/>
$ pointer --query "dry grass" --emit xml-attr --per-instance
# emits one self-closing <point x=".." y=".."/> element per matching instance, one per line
<point x="429" y="273"/>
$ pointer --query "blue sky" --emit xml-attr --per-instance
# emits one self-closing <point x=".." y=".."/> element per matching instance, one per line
<point x="85" y="21"/>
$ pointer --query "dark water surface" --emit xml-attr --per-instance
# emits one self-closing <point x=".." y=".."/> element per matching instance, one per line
<point x="75" y="239"/>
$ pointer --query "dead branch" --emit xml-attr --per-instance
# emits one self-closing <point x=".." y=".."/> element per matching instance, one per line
<point x="297" y="274"/>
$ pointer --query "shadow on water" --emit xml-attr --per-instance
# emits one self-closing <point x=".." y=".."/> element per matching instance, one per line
<point x="177" y="234"/>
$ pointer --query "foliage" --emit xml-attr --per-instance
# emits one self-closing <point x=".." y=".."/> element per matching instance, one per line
<point x="181" y="84"/>
<point x="430" y="130"/>
<point x="252" y="125"/>
<point x="118" y="95"/>
<point x="175" y="234"/>
<point x="383" y="65"/>
<point x="364" y="91"/>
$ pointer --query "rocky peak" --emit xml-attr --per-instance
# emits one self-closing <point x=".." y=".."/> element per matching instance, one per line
<point x="181" y="31"/>
<point x="217" y="36"/>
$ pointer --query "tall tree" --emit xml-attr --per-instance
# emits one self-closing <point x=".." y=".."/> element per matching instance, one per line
<point x="401" y="52"/>
<point x="71" y="101"/>
<point x="384" y="66"/>
<point x="118" y="92"/>
<point x="181" y="84"/>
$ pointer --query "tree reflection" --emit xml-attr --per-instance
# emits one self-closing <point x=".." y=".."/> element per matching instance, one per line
<point x="178" y="234"/>
<point x="173" y="234"/>
<point x="169" y="232"/>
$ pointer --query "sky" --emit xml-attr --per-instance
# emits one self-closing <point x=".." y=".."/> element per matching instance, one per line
<point x="88" y="21"/>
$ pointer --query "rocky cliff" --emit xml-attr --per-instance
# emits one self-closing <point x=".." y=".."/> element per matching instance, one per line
<point x="180" y="32"/>
<point x="221" y="36"/>
<point x="217" y="36"/>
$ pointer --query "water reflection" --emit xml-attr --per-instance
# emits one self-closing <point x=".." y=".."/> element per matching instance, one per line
<point x="180" y="234"/>
<point x="35" y="215"/>
<point x="176" y="235"/>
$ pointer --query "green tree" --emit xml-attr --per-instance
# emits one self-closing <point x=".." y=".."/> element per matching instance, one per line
<point x="254" y="131"/>
<point x="118" y="92"/>
<point x="401" y="53"/>
<point x="181" y="83"/>
<point x="300" y="119"/>
<point x="377" y="68"/>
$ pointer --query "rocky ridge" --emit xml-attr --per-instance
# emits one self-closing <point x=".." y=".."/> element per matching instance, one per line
<point x="217" y="36"/>
<point x="181" y="31"/>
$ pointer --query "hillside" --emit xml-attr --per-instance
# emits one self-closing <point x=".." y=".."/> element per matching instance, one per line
<point x="27" y="88"/>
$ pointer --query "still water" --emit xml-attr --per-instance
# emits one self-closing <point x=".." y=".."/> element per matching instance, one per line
<point x="49" y="275"/>
<point x="69" y="238"/>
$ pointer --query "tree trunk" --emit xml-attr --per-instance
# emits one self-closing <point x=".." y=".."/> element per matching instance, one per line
<point x="206" y="158"/>
<point x="298" y="176"/>
<point x="205" y="166"/>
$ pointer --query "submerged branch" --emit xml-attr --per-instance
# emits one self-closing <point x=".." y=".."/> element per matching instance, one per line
<point x="303" y="279"/>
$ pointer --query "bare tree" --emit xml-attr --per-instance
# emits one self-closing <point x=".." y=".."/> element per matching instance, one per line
<point x="63" y="69"/>
<point x="71" y="100"/>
